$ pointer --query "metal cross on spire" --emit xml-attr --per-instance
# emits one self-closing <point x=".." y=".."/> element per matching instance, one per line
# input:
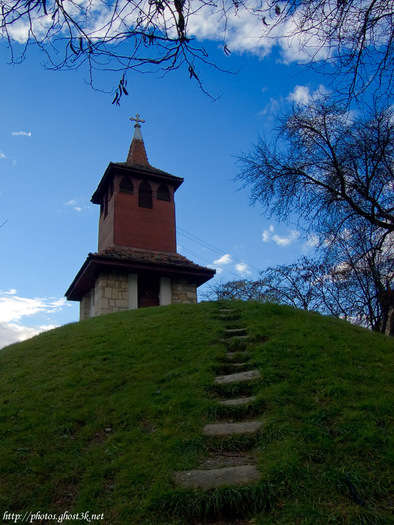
<point x="137" y="120"/>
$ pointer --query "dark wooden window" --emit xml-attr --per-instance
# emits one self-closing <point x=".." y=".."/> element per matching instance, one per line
<point x="163" y="193"/>
<point x="145" y="195"/>
<point x="126" y="186"/>
<point x="148" y="291"/>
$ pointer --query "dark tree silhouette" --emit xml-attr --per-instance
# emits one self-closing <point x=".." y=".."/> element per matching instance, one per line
<point x="331" y="168"/>
<point x="356" y="37"/>
<point x="244" y="290"/>
<point x="336" y="172"/>
<point x="130" y="35"/>
<point x="352" y="280"/>
<point x="144" y="35"/>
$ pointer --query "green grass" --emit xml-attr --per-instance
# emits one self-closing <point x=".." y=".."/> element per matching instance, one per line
<point x="98" y="415"/>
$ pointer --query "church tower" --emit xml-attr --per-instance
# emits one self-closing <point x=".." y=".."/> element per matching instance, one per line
<point x="136" y="264"/>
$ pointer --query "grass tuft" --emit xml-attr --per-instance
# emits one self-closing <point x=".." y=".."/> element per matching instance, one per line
<point x="227" y="502"/>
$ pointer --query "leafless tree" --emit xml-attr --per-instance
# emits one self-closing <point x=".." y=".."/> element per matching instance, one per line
<point x="361" y="272"/>
<point x="355" y="38"/>
<point x="294" y="284"/>
<point x="244" y="290"/>
<point x="329" y="167"/>
<point x="119" y="35"/>
<point x="352" y="280"/>
<point x="336" y="171"/>
<point x="122" y="35"/>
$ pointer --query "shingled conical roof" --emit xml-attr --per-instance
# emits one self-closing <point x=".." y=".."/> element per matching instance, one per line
<point x="137" y="153"/>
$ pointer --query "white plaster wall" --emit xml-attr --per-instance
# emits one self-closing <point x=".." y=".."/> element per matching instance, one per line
<point x="165" y="291"/>
<point x="133" y="291"/>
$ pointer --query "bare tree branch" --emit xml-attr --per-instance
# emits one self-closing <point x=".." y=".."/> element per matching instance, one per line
<point x="352" y="40"/>
<point x="328" y="167"/>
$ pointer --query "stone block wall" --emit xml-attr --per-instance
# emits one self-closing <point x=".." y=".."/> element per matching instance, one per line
<point x="183" y="291"/>
<point x="84" y="307"/>
<point x="111" y="293"/>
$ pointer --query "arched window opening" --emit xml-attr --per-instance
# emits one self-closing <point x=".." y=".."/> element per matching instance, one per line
<point x="126" y="186"/>
<point x="145" y="195"/>
<point x="163" y="193"/>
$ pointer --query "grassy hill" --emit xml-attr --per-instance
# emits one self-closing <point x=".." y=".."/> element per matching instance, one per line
<point x="98" y="416"/>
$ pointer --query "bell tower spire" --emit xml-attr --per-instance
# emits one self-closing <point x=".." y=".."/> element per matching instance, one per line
<point x="137" y="263"/>
<point x="137" y="153"/>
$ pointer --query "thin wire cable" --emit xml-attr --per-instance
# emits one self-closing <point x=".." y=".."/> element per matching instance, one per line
<point x="204" y="244"/>
<point x="206" y="260"/>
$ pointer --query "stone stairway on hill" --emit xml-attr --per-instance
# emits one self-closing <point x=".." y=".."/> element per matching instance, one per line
<point x="226" y="467"/>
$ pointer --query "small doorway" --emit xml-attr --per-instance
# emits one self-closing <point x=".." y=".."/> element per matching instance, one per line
<point x="148" y="291"/>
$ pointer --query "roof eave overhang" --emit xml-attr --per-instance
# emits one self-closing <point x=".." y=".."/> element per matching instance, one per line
<point x="114" y="168"/>
<point x="94" y="264"/>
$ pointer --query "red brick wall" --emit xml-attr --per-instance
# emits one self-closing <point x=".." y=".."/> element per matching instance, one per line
<point x="129" y="225"/>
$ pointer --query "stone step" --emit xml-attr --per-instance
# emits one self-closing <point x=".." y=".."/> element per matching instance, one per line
<point x="214" y="478"/>
<point x="236" y="365"/>
<point x="233" y="332"/>
<point x="231" y="429"/>
<point x="235" y="337"/>
<point x="233" y="355"/>
<point x="237" y="402"/>
<point x="235" y="378"/>
<point x="229" y="317"/>
<point x="227" y="459"/>
<point x="226" y="368"/>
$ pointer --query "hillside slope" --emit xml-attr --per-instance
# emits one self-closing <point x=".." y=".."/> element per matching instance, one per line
<point x="98" y="416"/>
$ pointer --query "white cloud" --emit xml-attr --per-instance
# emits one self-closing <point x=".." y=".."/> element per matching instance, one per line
<point x="225" y="259"/>
<point x="312" y="242"/>
<point x="298" y="45"/>
<point x="271" y="108"/>
<point x="300" y="95"/>
<point x="268" y="236"/>
<point x="73" y="203"/>
<point x="21" y="133"/>
<point x="13" y="333"/>
<point x="13" y="309"/>
<point x="2" y="156"/>
<point x="243" y="29"/>
<point x="243" y="269"/>
<point x="285" y="241"/>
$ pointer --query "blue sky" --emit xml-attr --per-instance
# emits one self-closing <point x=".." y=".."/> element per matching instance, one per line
<point x="57" y="136"/>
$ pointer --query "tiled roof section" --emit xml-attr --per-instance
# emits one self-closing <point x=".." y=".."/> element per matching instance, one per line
<point x="149" y="257"/>
<point x="133" y="260"/>
<point x="137" y="153"/>
<point x="146" y="169"/>
<point x="115" y="168"/>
